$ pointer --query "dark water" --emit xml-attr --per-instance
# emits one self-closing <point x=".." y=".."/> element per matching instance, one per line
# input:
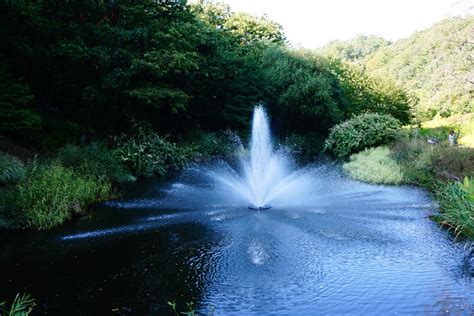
<point x="352" y="249"/>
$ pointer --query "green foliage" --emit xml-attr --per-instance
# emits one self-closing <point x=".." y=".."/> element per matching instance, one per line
<point x="374" y="165"/>
<point x="435" y="64"/>
<point x="22" y="305"/>
<point x="356" y="49"/>
<point x="208" y="145"/>
<point x="15" y="98"/>
<point x="249" y="29"/>
<point x="307" y="144"/>
<point x="362" y="131"/>
<point x="462" y="124"/>
<point x="175" y="65"/>
<point x="304" y="92"/>
<point x="468" y="187"/>
<point x="457" y="207"/>
<point x="364" y="93"/>
<point x="415" y="157"/>
<point x="50" y="194"/>
<point x="94" y="160"/>
<point x="11" y="169"/>
<point x="147" y="154"/>
<point x="424" y="164"/>
<point x="54" y="133"/>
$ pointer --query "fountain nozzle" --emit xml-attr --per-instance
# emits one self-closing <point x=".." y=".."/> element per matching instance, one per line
<point x="260" y="208"/>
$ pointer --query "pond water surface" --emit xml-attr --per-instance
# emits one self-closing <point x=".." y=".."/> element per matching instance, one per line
<point x="353" y="248"/>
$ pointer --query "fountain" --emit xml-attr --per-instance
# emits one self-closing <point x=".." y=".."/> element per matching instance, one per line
<point x="264" y="174"/>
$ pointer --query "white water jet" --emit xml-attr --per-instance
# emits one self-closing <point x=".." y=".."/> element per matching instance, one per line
<point x="266" y="174"/>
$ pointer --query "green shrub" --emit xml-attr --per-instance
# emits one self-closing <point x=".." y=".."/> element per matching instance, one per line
<point x="456" y="202"/>
<point x="22" y="306"/>
<point x="51" y="193"/>
<point x="96" y="160"/>
<point x="11" y="169"/>
<point x="374" y="165"/>
<point x="362" y="131"/>
<point x="147" y="154"/>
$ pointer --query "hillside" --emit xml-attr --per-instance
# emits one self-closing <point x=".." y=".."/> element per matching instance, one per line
<point x="436" y="64"/>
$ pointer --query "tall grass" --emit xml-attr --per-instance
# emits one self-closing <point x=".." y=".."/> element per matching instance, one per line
<point x="374" y="165"/>
<point x="456" y="201"/>
<point x="51" y="193"/>
<point x="11" y="169"/>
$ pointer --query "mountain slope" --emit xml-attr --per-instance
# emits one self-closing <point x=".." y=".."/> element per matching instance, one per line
<point x="436" y="64"/>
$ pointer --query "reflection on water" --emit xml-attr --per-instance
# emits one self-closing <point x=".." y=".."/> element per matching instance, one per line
<point x="346" y="248"/>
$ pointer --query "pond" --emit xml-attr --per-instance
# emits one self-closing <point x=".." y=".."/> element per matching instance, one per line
<point x="351" y="248"/>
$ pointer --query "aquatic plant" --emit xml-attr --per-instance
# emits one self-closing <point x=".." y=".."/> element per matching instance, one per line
<point x="456" y="202"/>
<point x="22" y="305"/>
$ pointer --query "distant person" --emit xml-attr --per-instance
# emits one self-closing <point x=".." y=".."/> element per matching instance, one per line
<point x="452" y="138"/>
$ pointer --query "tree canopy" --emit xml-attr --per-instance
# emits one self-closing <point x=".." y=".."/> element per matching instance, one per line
<point x="176" y="65"/>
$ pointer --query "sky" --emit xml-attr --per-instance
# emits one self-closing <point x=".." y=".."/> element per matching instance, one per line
<point x="312" y="23"/>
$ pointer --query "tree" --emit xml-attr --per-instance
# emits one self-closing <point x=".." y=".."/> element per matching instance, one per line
<point x="15" y="100"/>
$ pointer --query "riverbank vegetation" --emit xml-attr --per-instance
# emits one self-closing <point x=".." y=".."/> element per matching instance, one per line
<point x="95" y="94"/>
<point x="436" y="66"/>
<point x="408" y="158"/>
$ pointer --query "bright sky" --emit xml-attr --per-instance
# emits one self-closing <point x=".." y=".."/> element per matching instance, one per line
<point x="312" y="23"/>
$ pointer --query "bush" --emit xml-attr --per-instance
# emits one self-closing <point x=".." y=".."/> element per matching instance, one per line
<point x="456" y="202"/>
<point x="96" y="160"/>
<point x="50" y="194"/>
<point x="362" y="131"/>
<point x="374" y="165"/>
<point x="147" y="154"/>
<point x="11" y="169"/>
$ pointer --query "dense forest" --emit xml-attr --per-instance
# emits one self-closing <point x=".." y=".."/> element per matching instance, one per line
<point x="98" y="66"/>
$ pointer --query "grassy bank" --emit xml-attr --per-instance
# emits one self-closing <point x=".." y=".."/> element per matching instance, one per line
<point x="435" y="168"/>
<point x="41" y="189"/>
<point x="407" y="157"/>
